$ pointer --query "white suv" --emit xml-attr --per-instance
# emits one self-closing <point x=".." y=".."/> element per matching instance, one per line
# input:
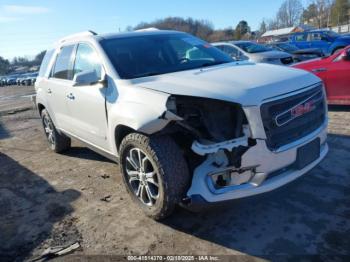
<point x="187" y="124"/>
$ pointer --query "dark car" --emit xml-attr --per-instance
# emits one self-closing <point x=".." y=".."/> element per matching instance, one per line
<point x="31" y="79"/>
<point x="299" y="54"/>
<point x="2" y="81"/>
<point x="12" y="80"/>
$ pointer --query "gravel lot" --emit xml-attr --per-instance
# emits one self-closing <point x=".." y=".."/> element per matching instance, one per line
<point x="48" y="200"/>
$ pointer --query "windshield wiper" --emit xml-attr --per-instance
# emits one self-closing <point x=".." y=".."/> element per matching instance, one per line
<point x="147" y="74"/>
<point x="213" y="63"/>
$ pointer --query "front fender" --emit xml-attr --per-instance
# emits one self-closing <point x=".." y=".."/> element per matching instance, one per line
<point x="139" y="109"/>
<point x="336" y="45"/>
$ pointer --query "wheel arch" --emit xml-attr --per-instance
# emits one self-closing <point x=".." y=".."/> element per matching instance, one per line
<point x="41" y="107"/>
<point x="335" y="48"/>
<point x="120" y="132"/>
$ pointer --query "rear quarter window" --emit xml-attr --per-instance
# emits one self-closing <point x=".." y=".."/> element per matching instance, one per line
<point x="45" y="62"/>
<point x="301" y="37"/>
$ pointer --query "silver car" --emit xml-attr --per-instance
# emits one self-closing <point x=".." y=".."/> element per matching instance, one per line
<point x="186" y="123"/>
<point x="245" y="50"/>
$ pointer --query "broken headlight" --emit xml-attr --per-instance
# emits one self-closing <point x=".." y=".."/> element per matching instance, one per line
<point x="209" y="119"/>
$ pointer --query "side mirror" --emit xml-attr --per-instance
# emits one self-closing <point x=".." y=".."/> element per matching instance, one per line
<point x="88" y="78"/>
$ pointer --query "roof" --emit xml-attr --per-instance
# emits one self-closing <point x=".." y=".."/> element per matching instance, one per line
<point x="138" y="33"/>
<point x="240" y="42"/>
<point x="91" y="34"/>
<point x="277" y="32"/>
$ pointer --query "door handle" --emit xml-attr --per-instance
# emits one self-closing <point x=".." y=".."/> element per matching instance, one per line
<point x="49" y="91"/>
<point x="71" y="96"/>
<point x="318" y="70"/>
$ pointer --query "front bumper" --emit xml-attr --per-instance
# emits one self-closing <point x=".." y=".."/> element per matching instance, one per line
<point x="267" y="164"/>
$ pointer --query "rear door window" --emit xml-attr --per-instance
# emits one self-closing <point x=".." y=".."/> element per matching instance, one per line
<point x="314" y="37"/>
<point x="63" y="65"/>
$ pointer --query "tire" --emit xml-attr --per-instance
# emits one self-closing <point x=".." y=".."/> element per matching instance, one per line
<point x="57" y="142"/>
<point x="161" y="157"/>
<point x="337" y="50"/>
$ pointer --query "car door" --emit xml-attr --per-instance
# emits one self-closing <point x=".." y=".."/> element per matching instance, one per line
<point x="338" y="78"/>
<point x="318" y="40"/>
<point x="300" y="40"/>
<point x="58" y="85"/>
<point x="87" y="102"/>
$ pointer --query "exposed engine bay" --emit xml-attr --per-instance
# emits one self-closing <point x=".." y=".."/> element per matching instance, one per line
<point x="211" y="131"/>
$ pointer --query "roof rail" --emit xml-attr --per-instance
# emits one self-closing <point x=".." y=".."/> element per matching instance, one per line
<point x="147" y="29"/>
<point x="81" y="34"/>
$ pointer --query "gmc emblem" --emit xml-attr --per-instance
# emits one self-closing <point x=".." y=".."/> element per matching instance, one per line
<point x="298" y="110"/>
<point x="302" y="109"/>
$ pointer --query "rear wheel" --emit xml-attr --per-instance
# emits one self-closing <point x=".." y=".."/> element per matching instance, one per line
<point x="57" y="142"/>
<point x="155" y="173"/>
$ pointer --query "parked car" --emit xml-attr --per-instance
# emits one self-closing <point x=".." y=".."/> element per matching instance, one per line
<point x="11" y="80"/>
<point x="297" y="53"/>
<point x="327" y="40"/>
<point x="245" y="50"/>
<point x="31" y="79"/>
<point x="335" y="72"/>
<point x="2" y="81"/>
<point x="20" y="79"/>
<point x="185" y="130"/>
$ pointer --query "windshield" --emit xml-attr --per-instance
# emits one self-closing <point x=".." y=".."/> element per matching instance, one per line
<point x="252" y="47"/>
<point x="140" y="56"/>
<point x="332" y="34"/>
<point x="287" y="47"/>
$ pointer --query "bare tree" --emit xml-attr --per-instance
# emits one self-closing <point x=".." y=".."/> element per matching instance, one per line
<point x="318" y="13"/>
<point x="289" y="13"/>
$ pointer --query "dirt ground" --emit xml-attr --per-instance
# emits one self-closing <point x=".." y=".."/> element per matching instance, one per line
<point x="47" y="200"/>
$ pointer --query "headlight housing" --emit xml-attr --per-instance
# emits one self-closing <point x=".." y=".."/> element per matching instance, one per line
<point x="211" y="119"/>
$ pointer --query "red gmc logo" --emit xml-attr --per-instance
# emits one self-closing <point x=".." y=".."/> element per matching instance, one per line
<point x="303" y="109"/>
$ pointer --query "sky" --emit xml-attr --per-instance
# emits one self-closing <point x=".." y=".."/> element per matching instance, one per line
<point x="30" y="26"/>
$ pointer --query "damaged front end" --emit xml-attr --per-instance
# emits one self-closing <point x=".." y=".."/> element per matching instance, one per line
<point x="214" y="135"/>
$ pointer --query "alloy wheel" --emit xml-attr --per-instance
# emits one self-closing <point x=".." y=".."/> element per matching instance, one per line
<point x="142" y="176"/>
<point x="49" y="130"/>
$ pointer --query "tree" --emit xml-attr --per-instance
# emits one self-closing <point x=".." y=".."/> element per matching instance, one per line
<point x="309" y="14"/>
<point x="318" y="13"/>
<point x="4" y="66"/>
<point x="340" y="12"/>
<point x="289" y="13"/>
<point x="263" y="27"/>
<point x="241" y="29"/>
<point x="39" y="58"/>
<point x="272" y="24"/>
<point x="222" y="35"/>
<point x="200" y="28"/>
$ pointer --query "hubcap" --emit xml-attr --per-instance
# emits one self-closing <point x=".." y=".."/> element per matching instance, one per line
<point x="142" y="177"/>
<point x="49" y="130"/>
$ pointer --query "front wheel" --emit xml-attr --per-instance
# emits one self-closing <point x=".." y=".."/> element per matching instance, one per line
<point x="155" y="173"/>
<point x="337" y="50"/>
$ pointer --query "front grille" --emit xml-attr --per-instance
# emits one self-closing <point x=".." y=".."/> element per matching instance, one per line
<point x="287" y="60"/>
<point x="294" y="117"/>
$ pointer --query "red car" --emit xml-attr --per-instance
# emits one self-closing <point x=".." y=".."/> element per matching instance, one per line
<point x="335" y="73"/>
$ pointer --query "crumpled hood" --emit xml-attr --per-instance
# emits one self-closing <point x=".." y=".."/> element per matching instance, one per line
<point x="245" y="83"/>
